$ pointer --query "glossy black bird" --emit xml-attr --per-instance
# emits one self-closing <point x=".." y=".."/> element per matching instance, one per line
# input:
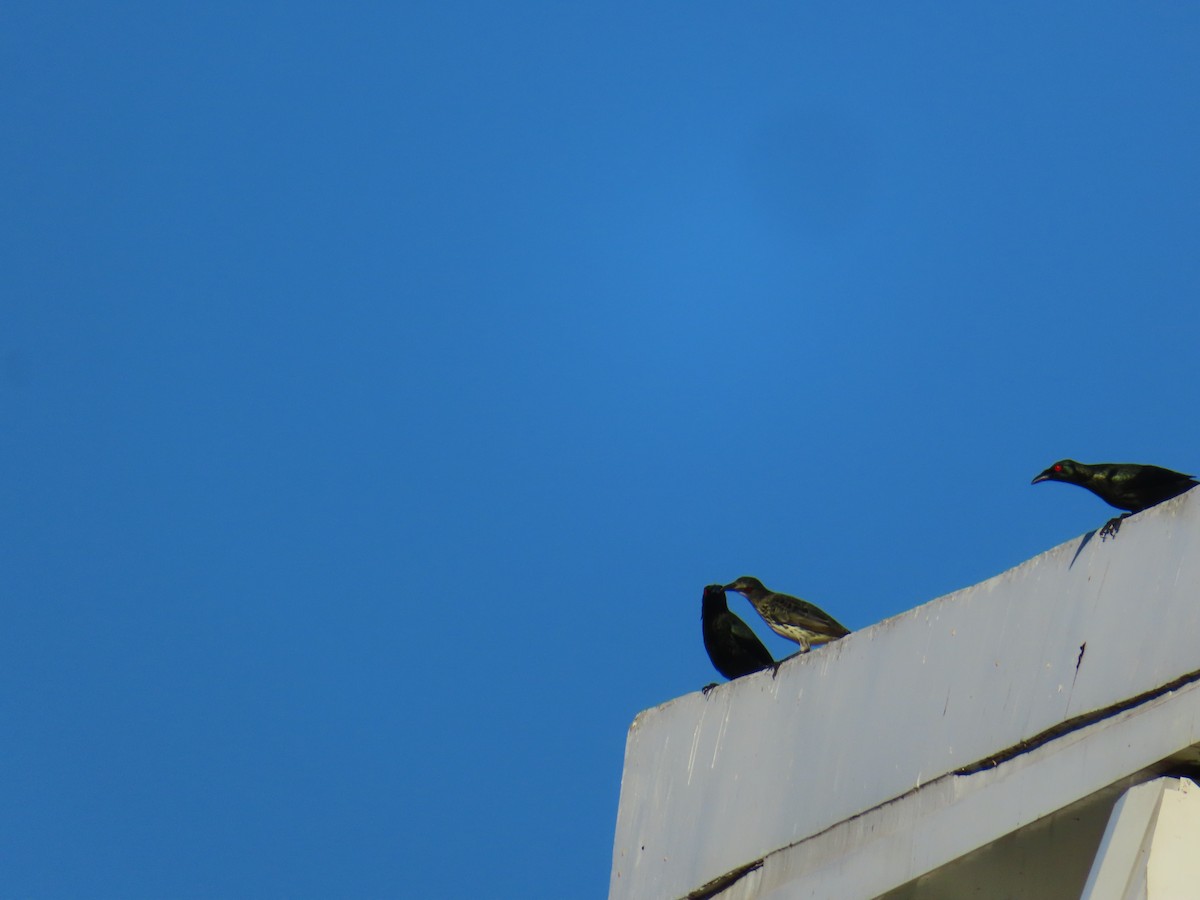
<point x="792" y="618"/>
<point x="1127" y="486"/>
<point x="734" y="649"/>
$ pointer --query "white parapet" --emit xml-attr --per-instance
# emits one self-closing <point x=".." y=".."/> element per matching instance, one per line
<point x="908" y="747"/>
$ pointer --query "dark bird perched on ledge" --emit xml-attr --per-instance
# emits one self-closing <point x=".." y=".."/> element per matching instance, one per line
<point x="790" y="617"/>
<point x="734" y="649"/>
<point x="1128" y="486"/>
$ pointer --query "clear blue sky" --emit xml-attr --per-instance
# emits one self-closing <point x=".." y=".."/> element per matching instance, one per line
<point x="381" y="385"/>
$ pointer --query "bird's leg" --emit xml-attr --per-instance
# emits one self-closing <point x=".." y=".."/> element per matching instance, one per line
<point x="778" y="663"/>
<point x="708" y="687"/>
<point x="1112" y="526"/>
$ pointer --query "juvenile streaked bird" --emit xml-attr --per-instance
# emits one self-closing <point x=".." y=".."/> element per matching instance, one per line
<point x="734" y="649"/>
<point x="1128" y="486"/>
<point x="790" y="617"/>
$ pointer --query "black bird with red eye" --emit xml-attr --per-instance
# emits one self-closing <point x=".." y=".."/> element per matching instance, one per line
<point x="734" y="649"/>
<point x="1129" y="486"/>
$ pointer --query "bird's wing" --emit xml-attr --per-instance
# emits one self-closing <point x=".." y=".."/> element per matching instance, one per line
<point x="1144" y="486"/>
<point x="817" y="619"/>
<point x="1156" y="475"/>
<point x="748" y="642"/>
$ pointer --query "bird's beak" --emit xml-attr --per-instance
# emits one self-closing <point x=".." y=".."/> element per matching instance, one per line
<point x="1045" y="476"/>
<point x="730" y="586"/>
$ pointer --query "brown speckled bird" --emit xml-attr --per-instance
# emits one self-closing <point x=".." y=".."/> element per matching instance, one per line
<point x="790" y="617"/>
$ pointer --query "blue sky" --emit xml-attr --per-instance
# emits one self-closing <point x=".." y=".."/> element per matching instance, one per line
<point x="381" y="385"/>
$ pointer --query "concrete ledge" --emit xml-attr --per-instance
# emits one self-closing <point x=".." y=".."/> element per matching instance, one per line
<point x="875" y="725"/>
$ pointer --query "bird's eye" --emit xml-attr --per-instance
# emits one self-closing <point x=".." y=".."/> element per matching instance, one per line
<point x="1057" y="467"/>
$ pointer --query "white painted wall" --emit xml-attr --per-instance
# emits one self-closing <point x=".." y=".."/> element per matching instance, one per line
<point x="760" y="765"/>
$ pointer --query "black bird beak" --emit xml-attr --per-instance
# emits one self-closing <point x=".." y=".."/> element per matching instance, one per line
<point x="1045" y="476"/>
<point x="729" y="587"/>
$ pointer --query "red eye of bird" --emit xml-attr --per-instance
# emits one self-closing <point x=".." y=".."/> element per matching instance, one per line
<point x="1057" y="468"/>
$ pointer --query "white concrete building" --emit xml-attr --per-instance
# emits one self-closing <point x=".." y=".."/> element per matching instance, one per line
<point x="1032" y="736"/>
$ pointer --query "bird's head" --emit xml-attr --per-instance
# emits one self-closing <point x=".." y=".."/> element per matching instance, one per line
<point x="1064" y="470"/>
<point x="745" y="585"/>
<point x="714" y="598"/>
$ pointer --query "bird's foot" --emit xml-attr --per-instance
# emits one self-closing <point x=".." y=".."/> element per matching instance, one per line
<point x="708" y="687"/>
<point x="1112" y="526"/>
<point x="778" y="663"/>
